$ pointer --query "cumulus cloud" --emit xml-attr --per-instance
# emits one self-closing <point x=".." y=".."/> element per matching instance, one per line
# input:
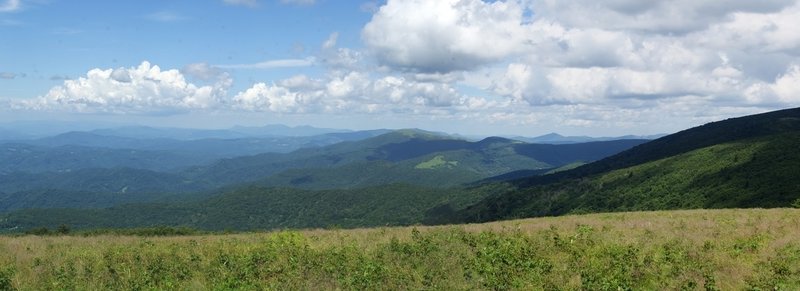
<point x="784" y="90"/>
<point x="10" y="6"/>
<point x="331" y="41"/>
<point x="204" y="71"/>
<point x="666" y="17"/>
<point x="145" y="89"/>
<point x="613" y="64"/>
<point x="443" y="36"/>
<point x="733" y="53"/>
<point x="355" y="92"/>
<point x="757" y="32"/>
<point x="336" y="58"/>
<point x="263" y="97"/>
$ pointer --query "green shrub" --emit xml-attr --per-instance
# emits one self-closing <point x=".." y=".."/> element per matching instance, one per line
<point x="6" y="273"/>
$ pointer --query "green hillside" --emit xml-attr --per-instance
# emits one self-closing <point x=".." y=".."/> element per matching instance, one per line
<point x="438" y="169"/>
<point x="756" y="165"/>
<point x="16" y="157"/>
<point x="396" y="156"/>
<point x="730" y="130"/>
<point x="403" y="156"/>
<point x="262" y="208"/>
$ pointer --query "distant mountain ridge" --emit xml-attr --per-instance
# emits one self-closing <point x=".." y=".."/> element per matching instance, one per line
<point x="236" y="132"/>
<point x="408" y="156"/>
<point x="750" y="161"/>
<point x="41" y="129"/>
<point x="555" y="138"/>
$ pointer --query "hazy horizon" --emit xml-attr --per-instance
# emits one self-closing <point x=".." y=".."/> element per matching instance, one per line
<point x="471" y="67"/>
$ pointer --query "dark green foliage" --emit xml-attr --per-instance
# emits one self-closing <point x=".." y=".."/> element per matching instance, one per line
<point x="38" y="231"/>
<point x="758" y="168"/>
<point x="403" y="156"/>
<point x="116" y="180"/>
<point x="754" y="173"/>
<point x="6" y="275"/>
<point x="62" y="229"/>
<point x="402" y="150"/>
<point x="17" y="157"/>
<point x="563" y="154"/>
<point x="710" y="134"/>
<point x="263" y="208"/>
<point x="92" y="188"/>
<point x="142" y="231"/>
<point x="779" y="272"/>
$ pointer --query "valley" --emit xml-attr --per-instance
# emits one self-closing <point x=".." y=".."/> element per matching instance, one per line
<point x="709" y="207"/>
<point x="399" y="145"/>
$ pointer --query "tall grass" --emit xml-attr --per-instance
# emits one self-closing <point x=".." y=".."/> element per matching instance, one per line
<point x="694" y="250"/>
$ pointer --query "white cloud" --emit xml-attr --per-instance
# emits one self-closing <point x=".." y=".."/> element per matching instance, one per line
<point x="666" y="17"/>
<point x="204" y="71"/>
<point x="331" y="41"/>
<point x="7" y="75"/>
<point x="338" y="58"/>
<point x="758" y="32"/>
<point x="556" y="63"/>
<point x="785" y="89"/>
<point x="355" y="92"/>
<point x="248" y="3"/>
<point x="263" y="97"/>
<point x="447" y="35"/>
<point x="145" y="89"/>
<point x="10" y="6"/>
<point x="615" y="65"/>
<point x="273" y="64"/>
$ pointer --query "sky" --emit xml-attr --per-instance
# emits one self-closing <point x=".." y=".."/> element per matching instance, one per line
<point x="514" y="67"/>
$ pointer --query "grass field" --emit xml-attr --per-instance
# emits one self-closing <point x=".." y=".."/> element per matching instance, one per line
<point x="695" y="250"/>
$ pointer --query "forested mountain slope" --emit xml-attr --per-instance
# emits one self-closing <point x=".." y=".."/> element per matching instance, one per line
<point x="750" y="161"/>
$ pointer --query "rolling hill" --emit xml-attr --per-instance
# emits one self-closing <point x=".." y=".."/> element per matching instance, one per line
<point x="749" y="161"/>
<point x="252" y="207"/>
<point x="16" y="157"/>
<point x="401" y="156"/>
<point x="204" y="149"/>
<point x="389" y="172"/>
<point x="555" y="138"/>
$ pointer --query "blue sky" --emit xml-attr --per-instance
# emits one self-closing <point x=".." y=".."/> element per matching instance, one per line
<point x="57" y="39"/>
<point x="523" y="67"/>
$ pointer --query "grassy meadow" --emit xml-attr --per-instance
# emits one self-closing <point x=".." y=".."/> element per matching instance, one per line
<point x="742" y="249"/>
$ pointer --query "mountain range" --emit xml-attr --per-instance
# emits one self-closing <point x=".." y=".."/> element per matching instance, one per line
<point x="555" y="138"/>
<point x="412" y="176"/>
<point x="87" y="170"/>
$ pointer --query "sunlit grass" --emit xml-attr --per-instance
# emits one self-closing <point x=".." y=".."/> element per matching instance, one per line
<point x="697" y="249"/>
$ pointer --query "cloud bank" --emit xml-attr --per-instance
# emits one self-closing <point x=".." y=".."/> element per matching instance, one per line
<point x="144" y="89"/>
<point x="581" y="63"/>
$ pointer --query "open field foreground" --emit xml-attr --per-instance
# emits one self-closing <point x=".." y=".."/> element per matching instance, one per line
<point x="694" y="250"/>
